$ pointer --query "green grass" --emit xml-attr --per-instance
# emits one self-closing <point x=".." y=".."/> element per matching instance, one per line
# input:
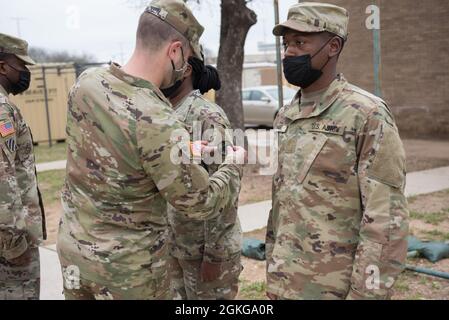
<point x="436" y="285"/>
<point x="50" y="185"/>
<point x="436" y="235"/>
<point x="401" y="284"/>
<point x="253" y="291"/>
<point x="43" y="152"/>
<point x="412" y="199"/>
<point x="423" y="280"/>
<point x="416" y="296"/>
<point x="431" y="217"/>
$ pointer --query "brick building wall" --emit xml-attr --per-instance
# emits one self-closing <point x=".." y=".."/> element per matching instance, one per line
<point x="414" y="60"/>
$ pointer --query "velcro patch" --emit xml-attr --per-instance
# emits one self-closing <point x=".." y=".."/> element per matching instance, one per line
<point x="11" y="144"/>
<point x="159" y="12"/>
<point x="389" y="163"/>
<point x="6" y="128"/>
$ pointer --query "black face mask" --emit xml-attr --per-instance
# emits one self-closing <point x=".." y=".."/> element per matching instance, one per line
<point x="173" y="90"/>
<point x="298" y="70"/>
<point x="24" y="81"/>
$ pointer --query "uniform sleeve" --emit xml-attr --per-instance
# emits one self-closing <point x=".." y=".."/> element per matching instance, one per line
<point x="27" y="182"/>
<point x="382" y="246"/>
<point x="270" y="236"/>
<point x="215" y="228"/>
<point x="13" y="237"/>
<point x="187" y="187"/>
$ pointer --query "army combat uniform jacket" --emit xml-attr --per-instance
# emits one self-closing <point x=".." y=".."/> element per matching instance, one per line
<point x="339" y="219"/>
<point x="22" y="225"/>
<point x="219" y="238"/>
<point x="120" y="175"/>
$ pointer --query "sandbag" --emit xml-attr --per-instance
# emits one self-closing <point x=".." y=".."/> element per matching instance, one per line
<point x="432" y="250"/>
<point x="253" y="249"/>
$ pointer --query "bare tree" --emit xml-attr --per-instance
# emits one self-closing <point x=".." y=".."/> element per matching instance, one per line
<point x="236" y="20"/>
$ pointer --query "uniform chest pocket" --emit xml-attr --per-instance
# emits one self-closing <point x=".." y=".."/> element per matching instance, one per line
<point x="333" y="165"/>
<point x="299" y="154"/>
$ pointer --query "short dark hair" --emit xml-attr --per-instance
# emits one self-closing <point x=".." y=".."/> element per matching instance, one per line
<point x="152" y="32"/>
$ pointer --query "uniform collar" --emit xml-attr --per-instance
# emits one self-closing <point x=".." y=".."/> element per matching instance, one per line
<point x="312" y="108"/>
<point x="186" y="102"/>
<point x="118" y="72"/>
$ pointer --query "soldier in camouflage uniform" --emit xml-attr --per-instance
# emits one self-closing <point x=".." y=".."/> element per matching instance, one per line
<point x="338" y="225"/>
<point x="22" y="227"/>
<point x="206" y="255"/>
<point x="113" y="238"/>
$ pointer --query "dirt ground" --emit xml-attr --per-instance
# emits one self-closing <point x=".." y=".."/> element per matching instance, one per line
<point x="254" y="270"/>
<point x="52" y="217"/>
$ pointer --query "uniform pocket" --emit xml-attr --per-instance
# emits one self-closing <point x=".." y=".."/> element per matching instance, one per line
<point x="300" y="154"/>
<point x="331" y="171"/>
<point x="389" y="163"/>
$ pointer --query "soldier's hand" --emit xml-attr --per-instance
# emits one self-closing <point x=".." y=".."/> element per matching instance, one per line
<point x="22" y="260"/>
<point x="236" y="155"/>
<point x="197" y="148"/>
<point x="209" y="150"/>
<point x="210" y="271"/>
<point x="272" y="296"/>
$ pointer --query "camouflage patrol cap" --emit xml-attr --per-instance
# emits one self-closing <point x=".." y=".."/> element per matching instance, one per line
<point x="179" y="16"/>
<point x="315" y="17"/>
<point x="15" y="46"/>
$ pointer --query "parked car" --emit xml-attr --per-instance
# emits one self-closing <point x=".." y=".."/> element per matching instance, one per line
<point x="260" y="104"/>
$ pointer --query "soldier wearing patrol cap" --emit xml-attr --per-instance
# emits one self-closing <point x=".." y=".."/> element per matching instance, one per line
<point x="339" y="218"/>
<point x="206" y="254"/>
<point x="22" y="225"/>
<point x="113" y="238"/>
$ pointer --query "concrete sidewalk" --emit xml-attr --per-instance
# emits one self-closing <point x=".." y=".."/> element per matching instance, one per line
<point x="48" y="166"/>
<point x="252" y="217"/>
<point x="427" y="181"/>
<point x="51" y="276"/>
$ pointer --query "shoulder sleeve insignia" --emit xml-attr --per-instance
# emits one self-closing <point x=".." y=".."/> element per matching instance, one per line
<point x="6" y="128"/>
<point x="11" y="144"/>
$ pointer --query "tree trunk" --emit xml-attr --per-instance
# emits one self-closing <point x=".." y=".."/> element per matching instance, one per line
<point x="236" y="20"/>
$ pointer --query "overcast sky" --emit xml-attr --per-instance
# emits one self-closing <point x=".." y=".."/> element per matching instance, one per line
<point x="106" y="28"/>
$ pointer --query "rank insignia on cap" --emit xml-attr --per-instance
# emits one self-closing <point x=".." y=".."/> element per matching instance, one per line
<point x="6" y="128"/>
<point x="11" y="144"/>
<point x="159" y="12"/>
